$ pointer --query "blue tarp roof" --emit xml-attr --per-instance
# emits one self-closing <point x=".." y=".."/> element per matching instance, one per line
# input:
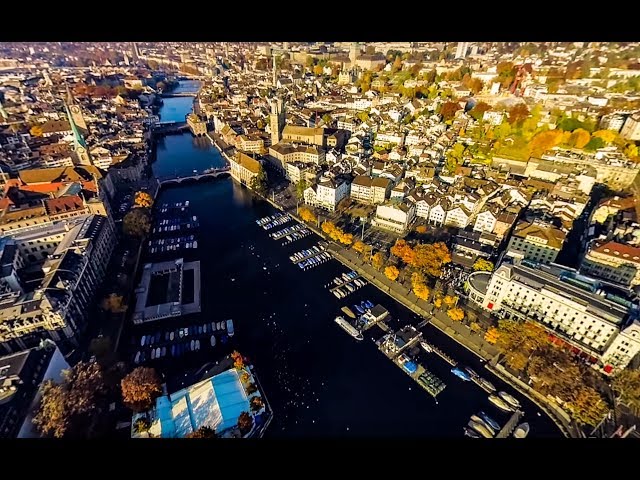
<point x="410" y="367"/>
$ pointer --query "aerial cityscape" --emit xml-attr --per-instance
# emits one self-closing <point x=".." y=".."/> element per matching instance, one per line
<point x="320" y="239"/>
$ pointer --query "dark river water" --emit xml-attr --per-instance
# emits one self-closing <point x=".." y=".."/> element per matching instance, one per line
<point x="318" y="380"/>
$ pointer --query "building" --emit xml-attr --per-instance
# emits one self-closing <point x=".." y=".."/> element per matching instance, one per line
<point x="631" y="128"/>
<point x="329" y="192"/>
<point x="250" y="143"/>
<point x="624" y="348"/>
<point x="10" y="262"/>
<point x="215" y="402"/>
<point x="395" y="216"/>
<point x="370" y="190"/>
<point x="458" y="216"/>
<point x="59" y="307"/>
<point x="493" y="117"/>
<point x="197" y="125"/>
<point x="536" y="241"/>
<point x="288" y="152"/>
<point x="580" y="313"/>
<point x="354" y="52"/>
<point x="612" y="121"/>
<point x="308" y="135"/>
<point x="244" y="168"/>
<point x="277" y="118"/>
<point x="461" y="50"/>
<point x="614" y="262"/>
<point x="486" y="220"/>
<point x="611" y="206"/>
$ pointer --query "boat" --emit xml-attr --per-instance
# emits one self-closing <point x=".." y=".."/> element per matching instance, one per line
<point x="219" y="325"/>
<point x="481" y="429"/>
<point x="192" y="345"/>
<point x="426" y="347"/>
<point x="142" y="340"/>
<point x="490" y="421"/>
<point x="197" y="344"/>
<point x="171" y="336"/>
<point x="199" y="329"/>
<point x="348" y="312"/>
<point x="509" y="399"/>
<point x="158" y="350"/>
<point x="213" y="326"/>
<point x="368" y="303"/>
<point x="137" y="358"/>
<point x="163" y="352"/>
<point x="471" y="433"/>
<point x="521" y="430"/>
<point x="501" y="404"/>
<point x="487" y="384"/>
<point x="347" y="327"/>
<point x="153" y="353"/>
<point x="213" y="340"/>
<point x="479" y="420"/>
<point x="173" y="350"/>
<point x="336" y="293"/>
<point x="230" y="327"/>
<point x="461" y="374"/>
<point x="471" y="372"/>
<point x="359" y="309"/>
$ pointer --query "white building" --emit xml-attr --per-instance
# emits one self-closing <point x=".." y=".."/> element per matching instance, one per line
<point x="438" y="213"/>
<point x="395" y="216"/>
<point x="572" y="309"/>
<point x="493" y="117"/>
<point x="327" y="193"/>
<point x="485" y="221"/>
<point x="614" y="262"/>
<point x="458" y="217"/>
<point x="536" y="242"/>
<point x="631" y="128"/>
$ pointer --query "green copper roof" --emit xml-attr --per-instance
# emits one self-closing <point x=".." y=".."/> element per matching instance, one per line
<point x="78" y="139"/>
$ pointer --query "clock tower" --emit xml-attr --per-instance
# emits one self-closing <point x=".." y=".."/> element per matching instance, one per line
<point x="76" y="112"/>
<point x="79" y="145"/>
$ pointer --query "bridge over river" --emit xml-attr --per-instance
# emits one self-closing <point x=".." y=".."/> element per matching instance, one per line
<point x="178" y="179"/>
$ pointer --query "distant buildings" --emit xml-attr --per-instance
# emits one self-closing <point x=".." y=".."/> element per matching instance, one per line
<point x="197" y="125"/>
<point x="244" y="168"/>
<point x="614" y="262"/>
<point x="631" y="128"/>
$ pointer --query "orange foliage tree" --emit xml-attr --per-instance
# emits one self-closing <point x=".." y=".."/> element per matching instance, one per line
<point x="140" y="388"/>
<point x="456" y="314"/>
<point x="377" y="260"/>
<point x="544" y="141"/>
<point x="391" y="272"/>
<point x="307" y="215"/>
<point x="419" y="286"/>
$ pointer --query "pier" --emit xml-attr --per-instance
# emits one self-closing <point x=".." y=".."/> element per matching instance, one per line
<point x="286" y="231"/>
<point x="511" y="425"/>
<point x="442" y="355"/>
<point x="311" y="253"/>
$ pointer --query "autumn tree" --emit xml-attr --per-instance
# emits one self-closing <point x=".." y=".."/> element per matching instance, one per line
<point x="437" y="301"/>
<point x="450" y="300"/>
<point x="256" y="404"/>
<point x="419" y="286"/>
<point x="483" y="265"/>
<point x="358" y="246"/>
<point x="317" y="70"/>
<point x="140" y="388"/>
<point x="67" y="408"/>
<point x="203" y="432"/>
<point x="456" y="314"/>
<point x="587" y="405"/>
<point x="430" y="258"/>
<point x="377" y="260"/>
<point x="421" y="229"/>
<point x="595" y="143"/>
<point x="403" y="251"/>
<point x="544" y="141"/>
<point x="336" y="233"/>
<point x="238" y="360"/>
<point x="579" y="138"/>
<point x="626" y="387"/>
<point x="143" y="199"/>
<point x="492" y="335"/>
<point x="307" y="215"/>
<point x="448" y="110"/>
<point x="245" y="423"/>
<point x="113" y="303"/>
<point x="477" y="112"/>
<point x="518" y="114"/>
<point x="391" y="272"/>
<point x="137" y="223"/>
<point x="397" y="64"/>
<point x="607" y="136"/>
<point x="36" y="131"/>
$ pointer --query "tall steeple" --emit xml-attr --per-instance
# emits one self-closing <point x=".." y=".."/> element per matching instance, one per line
<point x="79" y="144"/>
<point x="275" y="71"/>
<point x="136" y="53"/>
<point x="76" y="112"/>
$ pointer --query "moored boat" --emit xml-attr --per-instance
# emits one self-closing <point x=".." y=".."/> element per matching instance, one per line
<point x="501" y="404"/>
<point x="348" y="312"/>
<point x="490" y="421"/>
<point x="471" y="433"/>
<point x="350" y="329"/>
<point x="521" y="430"/>
<point x="481" y="429"/>
<point x="426" y="347"/>
<point x="230" y="329"/>
<point x="487" y="384"/>
<point x="509" y="399"/>
<point x="479" y="420"/>
<point x="461" y="374"/>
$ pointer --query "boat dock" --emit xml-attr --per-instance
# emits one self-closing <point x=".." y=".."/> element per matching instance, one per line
<point x="270" y="218"/>
<point x="277" y="222"/>
<point x="286" y="231"/>
<point x="303" y="255"/>
<point x="392" y="349"/>
<point x="304" y="232"/>
<point x="511" y="425"/>
<point x="315" y="261"/>
<point x="443" y="355"/>
<point x="176" y="224"/>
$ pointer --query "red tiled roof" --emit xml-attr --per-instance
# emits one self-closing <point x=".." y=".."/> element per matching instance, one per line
<point x="619" y="250"/>
<point x="71" y="203"/>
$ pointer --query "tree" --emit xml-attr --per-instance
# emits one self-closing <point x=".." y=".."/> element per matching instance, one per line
<point x="307" y="215"/>
<point x="35" y="131"/>
<point x="437" y="301"/>
<point x="256" y="404"/>
<point x="626" y="386"/>
<point x="421" y="229"/>
<point x="397" y="64"/>
<point x="391" y="272"/>
<point x="114" y="303"/>
<point x="301" y="186"/>
<point x="607" y="136"/>
<point x="359" y="246"/>
<point x="238" y="360"/>
<point x="456" y="314"/>
<point x="569" y="124"/>
<point x="336" y="233"/>
<point x="143" y="199"/>
<point x="67" y="408"/>
<point x="327" y="119"/>
<point x="203" y="432"/>
<point x="419" y="287"/>
<point x="492" y="335"/>
<point x="518" y="114"/>
<point x="377" y="260"/>
<point x="259" y="182"/>
<point x="595" y="143"/>
<point x="631" y="151"/>
<point x="579" y="138"/>
<point x="544" y="141"/>
<point x="587" y="405"/>
<point x="482" y="265"/>
<point x="137" y="223"/>
<point x="448" y="110"/>
<point x="477" y="112"/>
<point x="140" y="388"/>
<point x="403" y="250"/>
<point x="502" y="131"/>
<point x="363" y="116"/>
<point x="141" y="425"/>
<point x="430" y="258"/>
<point x="245" y="423"/>
<point x="317" y="70"/>
<point x="450" y="300"/>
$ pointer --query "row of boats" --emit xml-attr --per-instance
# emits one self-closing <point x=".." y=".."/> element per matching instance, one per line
<point x="308" y="253"/>
<point x="277" y="222"/>
<point x="349" y="287"/>
<point x="305" y="232"/>
<point x="162" y="245"/>
<point x="362" y="308"/>
<point x="174" y="350"/>
<point x="286" y="231"/>
<point x="314" y="261"/>
<point x="481" y="425"/>
<point x="176" y="225"/>
<point x="264" y="220"/>
<point x="179" y="208"/>
<point x="469" y="375"/>
<point x="184" y="332"/>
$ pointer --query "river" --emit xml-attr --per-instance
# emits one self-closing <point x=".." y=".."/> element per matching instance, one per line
<point x="319" y="381"/>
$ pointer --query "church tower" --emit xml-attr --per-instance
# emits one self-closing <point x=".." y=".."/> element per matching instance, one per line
<point x="79" y="145"/>
<point x="277" y="118"/>
<point x="354" y="50"/>
<point x="76" y="112"/>
<point x="275" y="72"/>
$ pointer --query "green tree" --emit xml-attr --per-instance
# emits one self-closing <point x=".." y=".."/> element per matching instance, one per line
<point x="626" y="387"/>
<point x="137" y="223"/>
<point x="595" y="143"/>
<point x="477" y="112"/>
<point x="67" y="408"/>
<point x="301" y="186"/>
<point x="259" y="183"/>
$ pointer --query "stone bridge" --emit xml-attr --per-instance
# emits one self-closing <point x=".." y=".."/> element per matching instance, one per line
<point x="213" y="173"/>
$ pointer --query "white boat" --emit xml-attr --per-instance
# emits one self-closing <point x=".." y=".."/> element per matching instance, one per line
<point x="213" y="326"/>
<point x="336" y="293"/>
<point x="224" y="325"/>
<point x="197" y="344"/>
<point x="192" y="345"/>
<point x="350" y="329"/>
<point x="509" y="399"/>
<point x="480" y="428"/>
<point x="158" y="350"/>
<point x="479" y="420"/>
<point x="153" y="353"/>
<point x="501" y="404"/>
<point x="142" y="340"/>
<point x="137" y="358"/>
<point x="426" y="347"/>
<point x="171" y="336"/>
<point x="230" y="327"/>
<point x="487" y="384"/>
<point x="521" y="430"/>
<point x="213" y="340"/>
